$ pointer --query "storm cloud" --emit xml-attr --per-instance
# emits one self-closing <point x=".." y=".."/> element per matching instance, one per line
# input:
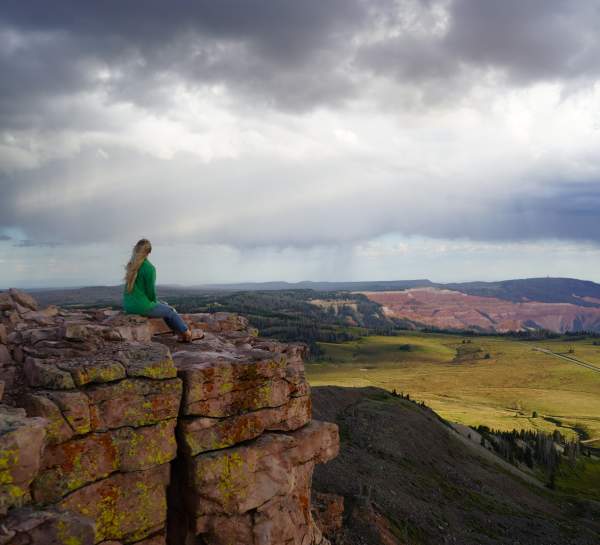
<point x="286" y="124"/>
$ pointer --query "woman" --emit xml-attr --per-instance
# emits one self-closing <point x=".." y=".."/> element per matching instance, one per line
<point x="140" y="292"/>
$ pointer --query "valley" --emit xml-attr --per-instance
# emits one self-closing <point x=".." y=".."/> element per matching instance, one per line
<point x="495" y="381"/>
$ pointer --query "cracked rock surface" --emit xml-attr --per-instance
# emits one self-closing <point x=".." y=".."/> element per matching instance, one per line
<point x="111" y="432"/>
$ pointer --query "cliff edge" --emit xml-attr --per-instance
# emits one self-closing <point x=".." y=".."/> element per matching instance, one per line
<point x="113" y="433"/>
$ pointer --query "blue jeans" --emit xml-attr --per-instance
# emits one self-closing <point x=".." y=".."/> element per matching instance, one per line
<point x="170" y="316"/>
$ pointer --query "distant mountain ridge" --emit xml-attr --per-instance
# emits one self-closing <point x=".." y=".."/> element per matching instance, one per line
<point x="555" y="304"/>
<point x="544" y="290"/>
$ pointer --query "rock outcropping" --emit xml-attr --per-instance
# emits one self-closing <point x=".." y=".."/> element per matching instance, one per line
<point x="113" y="433"/>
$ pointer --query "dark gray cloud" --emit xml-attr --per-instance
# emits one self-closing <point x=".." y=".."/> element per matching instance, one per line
<point x="286" y="53"/>
<point x="531" y="40"/>
<point x="524" y="42"/>
<point x="283" y="54"/>
<point x="274" y="55"/>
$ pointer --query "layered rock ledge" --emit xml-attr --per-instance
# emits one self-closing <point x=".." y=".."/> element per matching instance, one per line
<point x="112" y="432"/>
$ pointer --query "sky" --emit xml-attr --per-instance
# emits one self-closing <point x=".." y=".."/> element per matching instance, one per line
<point x="258" y="140"/>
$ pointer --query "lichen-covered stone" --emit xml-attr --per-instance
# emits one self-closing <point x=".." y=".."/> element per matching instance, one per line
<point x="57" y="429"/>
<point x="89" y="370"/>
<point x="270" y="478"/>
<point x="71" y="465"/>
<point x="133" y="402"/>
<point x="222" y="384"/>
<point x="126" y="507"/>
<point x="75" y="407"/>
<point x="204" y="434"/>
<point x="271" y="393"/>
<point x="238" y="479"/>
<point x="146" y="447"/>
<point x="151" y="360"/>
<point x="21" y="442"/>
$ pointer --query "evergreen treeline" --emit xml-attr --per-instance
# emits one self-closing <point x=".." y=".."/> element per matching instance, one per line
<point x="292" y="315"/>
<point x="532" y="448"/>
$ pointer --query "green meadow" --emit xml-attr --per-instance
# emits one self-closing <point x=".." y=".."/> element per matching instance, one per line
<point x="499" y="382"/>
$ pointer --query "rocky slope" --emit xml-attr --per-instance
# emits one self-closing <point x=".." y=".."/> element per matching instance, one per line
<point x="447" y="309"/>
<point x="408" y="479"/>
<point x="113" y="433"/>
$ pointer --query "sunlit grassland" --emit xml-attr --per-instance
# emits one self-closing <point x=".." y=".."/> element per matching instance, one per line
<point x="495" y="381"/>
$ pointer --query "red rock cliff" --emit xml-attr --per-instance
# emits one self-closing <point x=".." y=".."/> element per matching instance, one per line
<point x="113" y="433"/>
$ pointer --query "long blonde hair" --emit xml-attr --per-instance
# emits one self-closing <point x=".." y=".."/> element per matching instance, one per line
<point x="139" y="253"/>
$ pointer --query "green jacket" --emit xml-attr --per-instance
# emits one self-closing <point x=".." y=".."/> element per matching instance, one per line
<point x="142" y="298"/>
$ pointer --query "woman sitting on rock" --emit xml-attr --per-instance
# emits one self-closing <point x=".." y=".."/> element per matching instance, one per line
<point x="140" y="292"/>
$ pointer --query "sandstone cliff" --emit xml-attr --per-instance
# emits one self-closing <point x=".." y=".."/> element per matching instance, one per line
<point x="113" y="433"/>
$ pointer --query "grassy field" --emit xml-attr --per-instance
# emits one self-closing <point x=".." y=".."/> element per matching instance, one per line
<point x="495" y="381"/>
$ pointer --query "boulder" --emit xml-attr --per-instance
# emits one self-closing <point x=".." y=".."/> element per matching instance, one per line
<point x="75" y="408"/>
<point x="93" y="370"/>
<point x="5" y="357"/>
<point x="41" y="373"/>
<point x="269" y="477"/>
<point x="73" y="464"/>
<point x="328" y="511"/>
<point x="57" y="428"/>
<point x="126" y="507"/>
<point x="204" y="434"/>
<point x="133" y="402"/>
<point x="21" y="442"/>
<point x="23" y="299"/>
<point x="6" y="302"/>
<point x="159" y="327"/>
<point x="218" y="322"/>
<point x="238" y="479"/>
<point x="27" y="526"/>
<point x="128" y="327"/>
<point x="219" y="384"/>
<point x="151" y="360"/>
<point x="9" y="375"/>
<point x="81" y="461"/>
<point x="145" y="447"/>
